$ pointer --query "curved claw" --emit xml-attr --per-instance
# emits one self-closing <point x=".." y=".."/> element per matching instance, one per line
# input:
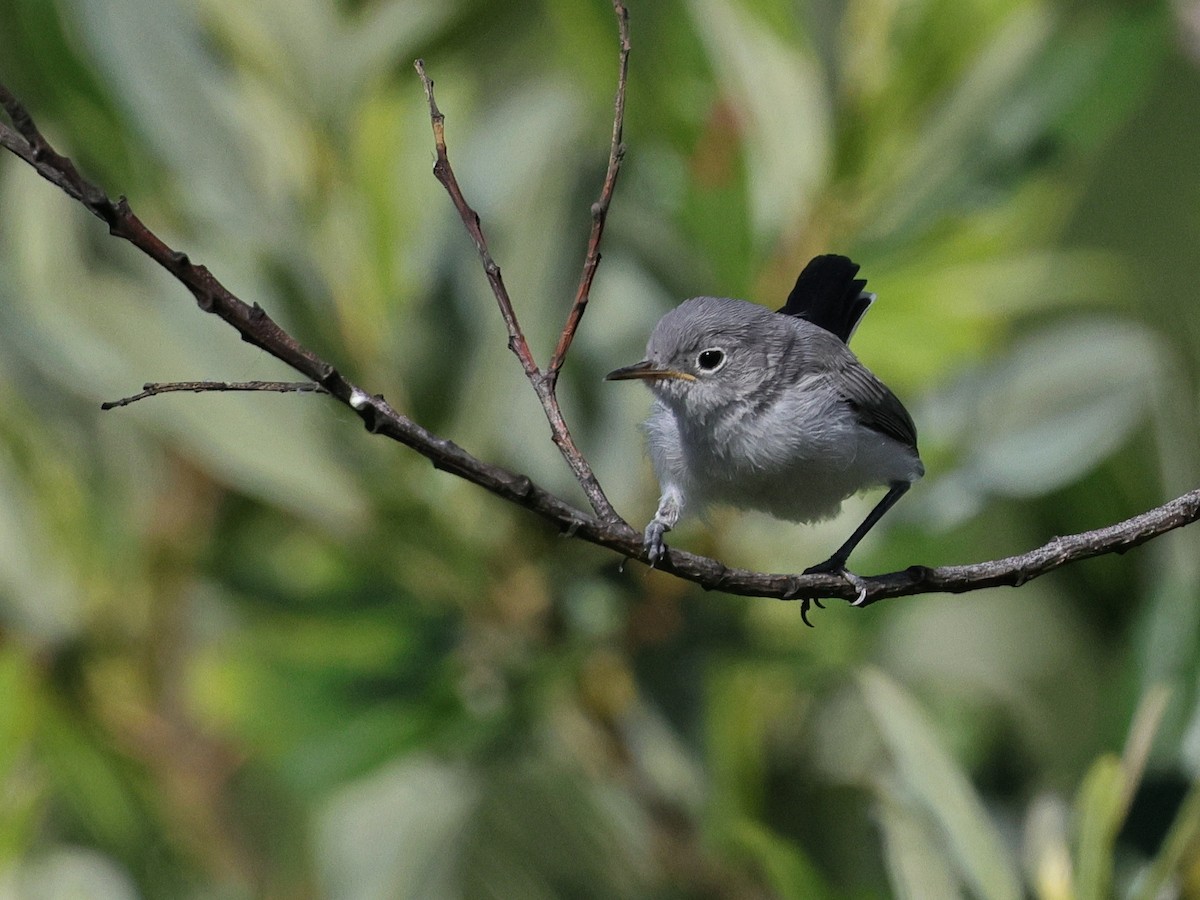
<point x="807" y="604"/>
<point x="858" y="584"/>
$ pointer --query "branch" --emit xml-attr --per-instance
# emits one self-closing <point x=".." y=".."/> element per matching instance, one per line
<point x="445" y="174"/>
<point x="600" y="208"/>
<point x="153" y="389"/>
<point x="602" y="528"/>
<point x="255" y="326"/>
<point x="545" y="382"/>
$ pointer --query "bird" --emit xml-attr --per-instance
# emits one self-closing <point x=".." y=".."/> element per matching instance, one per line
<point x="771" y="411"/>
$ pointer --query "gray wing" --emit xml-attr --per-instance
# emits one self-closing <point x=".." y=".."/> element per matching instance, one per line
<point x="875" y="405"/>
<point x="812" y="349"/>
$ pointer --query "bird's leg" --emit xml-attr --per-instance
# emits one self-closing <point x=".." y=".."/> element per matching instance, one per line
<point x="669" y="508"/>
<point x="836" y="564"/>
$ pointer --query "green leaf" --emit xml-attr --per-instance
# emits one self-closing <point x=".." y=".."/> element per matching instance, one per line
<point x="123" y="331"/>
<point x="173" y="93"/>
<point x="1098" y="811"/>
<point x="1047" y="852"/>
<point x="69" y="872"/>
<point x="926" y="772"/>
<point x="1061" y="401"/>
<point x="1106" y="793"/>
<point x="916" y="860"/>
<point x="1066" y="398"/>
<point x="1178" y="850"/>
<point x="398" y="833"/>
<point x="783" y="109"/>
<point x="787" y="869"/>
<point x="951" y="151"/>
<point x="515" y="828"/>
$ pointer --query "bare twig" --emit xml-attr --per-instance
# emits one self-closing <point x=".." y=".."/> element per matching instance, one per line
<point x="543" y="386"/>
<point x="255" y="326"/>
<point x="445" y="174"/>
<point x="600" y="208"/>
<point x="154" y="388"/>
<point x="602" y="528"/>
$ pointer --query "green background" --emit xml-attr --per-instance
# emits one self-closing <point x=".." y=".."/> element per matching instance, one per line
<point x="247" y="650"/>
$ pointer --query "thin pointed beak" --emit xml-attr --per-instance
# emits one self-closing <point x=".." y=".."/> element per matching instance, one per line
<point x="646" y="371"/>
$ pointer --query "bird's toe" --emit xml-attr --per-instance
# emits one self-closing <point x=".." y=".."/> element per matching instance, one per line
<point x="655" y="546"/>
<point x="835" y="566"/>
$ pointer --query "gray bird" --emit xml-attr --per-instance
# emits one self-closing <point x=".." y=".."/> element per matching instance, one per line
<point x="771" y="411"/>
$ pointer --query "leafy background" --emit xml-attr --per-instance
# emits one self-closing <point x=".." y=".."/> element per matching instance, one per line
<point x="247" y="650"/>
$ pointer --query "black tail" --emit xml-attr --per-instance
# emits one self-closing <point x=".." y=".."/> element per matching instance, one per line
<point x="827" y="294"/>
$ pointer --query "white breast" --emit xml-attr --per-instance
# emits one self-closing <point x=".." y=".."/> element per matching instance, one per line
<point x="797" y="461"/>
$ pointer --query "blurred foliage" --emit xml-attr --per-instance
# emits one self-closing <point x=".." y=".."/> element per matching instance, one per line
<point x="248" y="650"/>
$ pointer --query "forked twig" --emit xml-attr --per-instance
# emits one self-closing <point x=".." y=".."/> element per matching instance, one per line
<point x="545" y="382"/>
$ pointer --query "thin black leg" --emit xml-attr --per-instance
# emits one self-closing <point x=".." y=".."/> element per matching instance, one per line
<point x="837" y="562"/>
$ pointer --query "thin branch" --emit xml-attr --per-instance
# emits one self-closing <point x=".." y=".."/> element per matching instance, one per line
<point x="154" y="388"/>
<point x="1012" y="571"/>
<point x="29" y="144"/>
<point x="445" y="174"/>
<point x="256" y="327"/>
<point x="542" y="386"/>
<point x="600" y="208"/>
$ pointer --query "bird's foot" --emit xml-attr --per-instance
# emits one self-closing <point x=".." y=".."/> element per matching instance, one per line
<point x="835" y="566"/>
<point x="653" y="543"/>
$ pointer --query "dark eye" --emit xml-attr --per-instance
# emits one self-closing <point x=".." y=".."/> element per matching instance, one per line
<point x="710" y="360"/>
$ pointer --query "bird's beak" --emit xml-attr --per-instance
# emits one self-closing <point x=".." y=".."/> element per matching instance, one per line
<point x="646" y="370"/>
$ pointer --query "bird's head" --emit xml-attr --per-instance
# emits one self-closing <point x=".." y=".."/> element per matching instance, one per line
<point x="709" y="352"/>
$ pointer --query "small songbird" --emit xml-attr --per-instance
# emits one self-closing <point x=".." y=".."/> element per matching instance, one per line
<point x="771" y="411"/>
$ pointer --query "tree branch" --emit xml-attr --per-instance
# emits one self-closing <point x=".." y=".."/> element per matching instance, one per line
<point x="600" y="208"/>
<point x="545" y="382"/>
<point x="445" y="174"/>
<point x="603" y="527"/>
<point x="153" y="389"/>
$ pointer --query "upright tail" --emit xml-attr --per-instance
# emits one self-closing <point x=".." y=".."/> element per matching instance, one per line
<point x="827" y="294"/>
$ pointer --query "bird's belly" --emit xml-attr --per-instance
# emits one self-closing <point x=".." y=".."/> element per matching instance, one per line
<point x="804" y="493"/>
<point x="802" y="487"/>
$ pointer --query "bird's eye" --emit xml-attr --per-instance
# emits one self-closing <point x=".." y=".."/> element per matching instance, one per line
<point x="710" y="360"/>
